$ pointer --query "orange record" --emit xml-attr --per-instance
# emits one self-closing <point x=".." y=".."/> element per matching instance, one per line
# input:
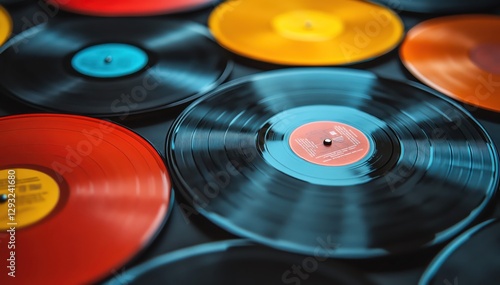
<point x="5" y="25"/>
<point x="306" y="32"/>
<point x="458" y="56"/>
<point x="79" y="197"/>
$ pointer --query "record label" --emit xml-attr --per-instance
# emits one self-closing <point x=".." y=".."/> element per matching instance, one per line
<point x="307" y="25"/>
<point x="29" y="196"/>
<point x="93" y="193"/>
<point x="306" y="32"/>
<point x="337" y="153"/>
<point x="329" y="143"/>
<point x="459" y="56"/>
<point x="487" y="57"/>
<point x="112" y="67"/>
<point x="109" y="60"/>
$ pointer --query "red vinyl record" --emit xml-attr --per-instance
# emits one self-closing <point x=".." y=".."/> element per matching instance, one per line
<point x="79" y="198"/>
<point x="115" y="8"/>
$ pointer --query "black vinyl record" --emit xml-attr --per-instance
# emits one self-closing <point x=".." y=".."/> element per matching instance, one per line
<point x="292" y="156"/>
<point x="238" y="262"/>
<point x="472" y="258"/>
<point x="442" y="6"/>
<point x="111" y="67"/>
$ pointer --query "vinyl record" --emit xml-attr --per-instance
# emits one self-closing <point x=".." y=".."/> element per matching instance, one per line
<point x="305" y="32"/>
<point x="458" y="56"/>
<point x="472" y="258"/>
<point x="5" y="25"/>
<point x="239" y="262"/>
<point x="110" y="66"/>
<point x="80" y="198"/>
<point x="114" y="8"/>
<point x="290" y="156"/>
<point x="443" y="6"/>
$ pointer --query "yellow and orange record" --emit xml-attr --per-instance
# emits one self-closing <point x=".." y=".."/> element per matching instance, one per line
<point x="458" y="56"/>
<point x="5" y="25"/>
<point x="79" y="197"/>
<point x="306" y="32"/>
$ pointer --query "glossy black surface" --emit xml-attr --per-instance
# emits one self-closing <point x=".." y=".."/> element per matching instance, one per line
<point x="184" y="63"/>
<point x="432" y="165"/>
<point x="472" y="258"/>
<point x="239" y="262"/>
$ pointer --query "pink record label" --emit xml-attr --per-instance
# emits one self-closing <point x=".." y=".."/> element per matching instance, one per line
<point x="329" y="143"/>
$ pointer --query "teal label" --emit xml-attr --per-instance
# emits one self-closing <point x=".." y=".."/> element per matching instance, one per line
<point x="109" y="60"/>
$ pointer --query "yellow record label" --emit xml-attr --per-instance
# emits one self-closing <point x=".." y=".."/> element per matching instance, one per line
<point x="26" y="197"/>
<point x="307" y="25"/>
<point x="5" y="25"/>
<point x="306" y="32"/>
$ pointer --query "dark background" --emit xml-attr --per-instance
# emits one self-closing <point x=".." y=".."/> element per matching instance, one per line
<point x="180" y="232"/>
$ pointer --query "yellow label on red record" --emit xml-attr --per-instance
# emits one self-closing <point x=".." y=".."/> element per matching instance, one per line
<point x="26" y="197"/>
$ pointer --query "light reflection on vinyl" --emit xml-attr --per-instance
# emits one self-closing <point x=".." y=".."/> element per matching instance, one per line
<point x="288" y="156"/>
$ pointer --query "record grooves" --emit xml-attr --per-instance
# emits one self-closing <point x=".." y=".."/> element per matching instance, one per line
<point x="112" y="67"/>
<point x="424" y="159"/>
<point x="459" y="56"/>
<point x="75" y="178"/>
<point x="306" y="32"/>
<point x="471" y="258"/>
<point x="238" y="262"/>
